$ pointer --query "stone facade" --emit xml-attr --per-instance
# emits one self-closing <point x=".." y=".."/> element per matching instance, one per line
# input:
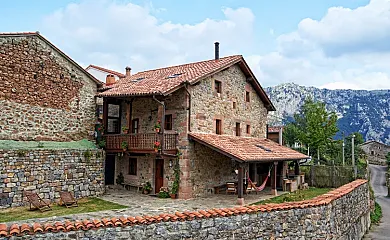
<point x="48" y="172"/>
<point x="43" y="95"/>
<point x="376" y="152"/>
<point x="207" y="105"/>
<point x="204" y="107"/>
<point x="344" y="217"/>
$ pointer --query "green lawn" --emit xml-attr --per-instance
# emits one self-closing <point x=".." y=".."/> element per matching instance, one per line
<point x="85" y="205"/>
<point x="298" y="195"/>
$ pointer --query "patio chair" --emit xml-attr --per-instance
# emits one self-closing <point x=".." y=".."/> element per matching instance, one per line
<point x="231" y="188"/>
<point x="67" y="199"/>
<point x="36" y="202"/>
<point x="251" y="187"/>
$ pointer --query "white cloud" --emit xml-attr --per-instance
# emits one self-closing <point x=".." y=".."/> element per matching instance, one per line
<point x="345" y="49"/>
<point x="116" y="34"/>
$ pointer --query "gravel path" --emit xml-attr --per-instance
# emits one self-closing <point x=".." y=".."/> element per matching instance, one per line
<point x="378" y="183"/>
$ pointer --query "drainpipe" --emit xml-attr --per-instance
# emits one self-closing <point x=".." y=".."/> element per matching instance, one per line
<point x="189" y="107"/>
<point x="162" y="122"/>
<point x="266" y="132"/>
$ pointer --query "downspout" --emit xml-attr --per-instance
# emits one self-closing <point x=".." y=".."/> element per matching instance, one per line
<point x="162" y="122"/>
<point x="130" y="125"/>
<point x="189" y="107"/>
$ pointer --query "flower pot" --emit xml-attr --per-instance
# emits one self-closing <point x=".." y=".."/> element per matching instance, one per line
<point x="124" y="149"/>
<point x="173" y="196"/>
<point x="146" y="191"/>
<point x="156" y="150"/>
<point x="157" y="130"/>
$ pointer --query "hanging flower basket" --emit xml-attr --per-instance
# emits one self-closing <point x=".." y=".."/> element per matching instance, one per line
<point x="157" y="126"/>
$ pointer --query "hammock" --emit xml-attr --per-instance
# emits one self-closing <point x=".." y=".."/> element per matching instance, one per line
<point x="262" y="186"/>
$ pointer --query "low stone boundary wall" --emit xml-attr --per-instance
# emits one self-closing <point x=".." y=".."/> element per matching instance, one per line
<point x="340" y="214"/>
<point x="48" y="172"/>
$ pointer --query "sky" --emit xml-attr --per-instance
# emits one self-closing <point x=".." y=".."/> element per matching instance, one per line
<point x="334" y="44"/>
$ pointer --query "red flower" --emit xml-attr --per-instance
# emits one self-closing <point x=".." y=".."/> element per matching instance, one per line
<point x="157" y="144"/>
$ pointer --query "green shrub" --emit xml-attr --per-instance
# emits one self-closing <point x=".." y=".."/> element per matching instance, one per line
<point x="376" y="215"/>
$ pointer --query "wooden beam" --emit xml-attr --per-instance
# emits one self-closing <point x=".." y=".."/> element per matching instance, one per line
<point x="105" y="114"/>
<point x="240" y="186"/>
<point x="296" y="168"/>
<point x="273" y="179"/>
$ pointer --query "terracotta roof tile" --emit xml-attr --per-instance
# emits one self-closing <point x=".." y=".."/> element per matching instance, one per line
<point x="248" y="149"/>
<point x="161" y="81"/>
<point x="15" y="230"/>
<point x="121" y="75"/>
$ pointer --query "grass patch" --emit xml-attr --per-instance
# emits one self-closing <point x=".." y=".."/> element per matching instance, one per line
<point x="85" y="205"/>
<point x="298" y="195"/>
<point x="376" y="215"/>
<point x="82" y="144"/>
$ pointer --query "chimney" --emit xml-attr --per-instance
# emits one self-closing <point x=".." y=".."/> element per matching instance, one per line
<point x="128" y="71"/>
<point x="216" y="50"/>
<point x="110" y="79"/>
<point x="281" y="135"/>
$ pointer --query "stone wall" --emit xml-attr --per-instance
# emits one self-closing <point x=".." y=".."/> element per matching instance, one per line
<point x="48" y="172"/>
<point x="209" y="169"/>
<point x="207" y="105"/>
<point x="340" y="214"/>
<point x="43" y="96"/>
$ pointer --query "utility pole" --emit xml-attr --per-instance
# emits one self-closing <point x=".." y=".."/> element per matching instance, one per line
<point x="353" y="155"/>
<point x="343" y="149"/>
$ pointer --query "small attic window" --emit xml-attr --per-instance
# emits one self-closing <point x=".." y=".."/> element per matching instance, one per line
<point x="175" y="75"/>
<point x="138" y="79"/>
<point x="264" y="148"/>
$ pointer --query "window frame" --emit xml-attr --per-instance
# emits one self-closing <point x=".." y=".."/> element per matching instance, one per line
<point x="118" y="129"/>
<point x="218" y="86"/>
<point x="248" y="129"/>
<point x="168" y="125"/>
<point x="218" y="126"/>
<point x="135" y="125"/>
<point x="238" y="129"/>
<point x="247" y="96"/>
<point x="133" y="166"/>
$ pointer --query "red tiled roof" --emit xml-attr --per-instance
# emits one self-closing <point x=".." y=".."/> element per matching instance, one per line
<point x="120" y="75"/>
<point x="247" y="148"/>
<point x="157" y="81"/>
<point x="85" y="225"/>
<point x="16" y="34"/>
<point x="163" y="81"/>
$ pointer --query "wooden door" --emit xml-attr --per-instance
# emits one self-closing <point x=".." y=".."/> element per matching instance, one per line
<point x="109" y="169"/>
<point x="159" y="174"/>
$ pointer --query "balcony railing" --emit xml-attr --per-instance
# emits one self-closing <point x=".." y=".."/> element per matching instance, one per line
<point x="140" y="142"/>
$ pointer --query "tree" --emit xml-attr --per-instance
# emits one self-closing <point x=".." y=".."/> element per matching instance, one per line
<point x="315" y="125"/>
<point x="388" y="160"/>
<point x="290" y="134"/>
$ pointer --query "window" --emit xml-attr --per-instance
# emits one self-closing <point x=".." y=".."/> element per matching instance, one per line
<point x="168" y="122"/>
<point x="234" y="105"/>
<point x="113" y="118"/>
<point x="218" y="126"/>
<point x="238" y="129"/>
<point x="372" y="152"/>
<point x="132" y="166"/>
<point x="248" y="129"/>
<point x="218" y="86"/>
<point x="247" y="96"/>
<point x="135" y="125"/>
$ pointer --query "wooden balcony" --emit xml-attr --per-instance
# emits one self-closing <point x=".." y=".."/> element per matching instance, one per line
<point x="140" y="142"/>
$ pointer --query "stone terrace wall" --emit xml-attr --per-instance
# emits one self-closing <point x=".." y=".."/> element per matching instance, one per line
<point x="48" y="172"/>
<point x="43" y="96"/>
<point x="340" y="214"/>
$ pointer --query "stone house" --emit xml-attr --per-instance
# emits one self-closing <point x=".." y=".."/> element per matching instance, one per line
<point x="212" y="112"/>
<point x="44" y="94"/>
<point x="376" y="152"/>
<point x="45" y="98"/>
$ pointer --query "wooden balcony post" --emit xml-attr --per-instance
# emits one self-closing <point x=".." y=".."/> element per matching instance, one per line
<point x="105" y="114"/>
<point x="273" y="179"/>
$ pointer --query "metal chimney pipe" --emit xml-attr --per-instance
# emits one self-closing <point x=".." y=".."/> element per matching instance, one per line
<point x="216" y="50"/>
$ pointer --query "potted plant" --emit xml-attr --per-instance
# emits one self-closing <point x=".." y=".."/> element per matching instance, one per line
<point x="124" y="145"/>
<point x="125" y="130"/>
<point x="157" y="146"/>
<point x="157" y="126"/>
<point x="176" y="179"/>
<point x="147" y="188"/>
<point x="163" y="194"/>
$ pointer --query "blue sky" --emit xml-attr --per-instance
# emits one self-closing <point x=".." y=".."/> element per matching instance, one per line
<point x="323" y="43"/>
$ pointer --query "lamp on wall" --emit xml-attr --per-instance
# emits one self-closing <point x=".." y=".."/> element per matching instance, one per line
<point x="170" y="163"/>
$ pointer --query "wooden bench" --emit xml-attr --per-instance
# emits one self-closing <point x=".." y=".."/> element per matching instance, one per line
<point x="219" y="188"/>
<point x="127" y="186"/>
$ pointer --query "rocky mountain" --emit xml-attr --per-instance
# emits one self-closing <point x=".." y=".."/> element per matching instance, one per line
<point x="367" y="112"/>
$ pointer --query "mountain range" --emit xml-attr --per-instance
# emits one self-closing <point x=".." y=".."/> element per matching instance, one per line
<point x="366" y="112"/>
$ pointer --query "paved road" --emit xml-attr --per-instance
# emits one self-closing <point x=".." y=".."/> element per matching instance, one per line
<point x="378" y="183"/>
